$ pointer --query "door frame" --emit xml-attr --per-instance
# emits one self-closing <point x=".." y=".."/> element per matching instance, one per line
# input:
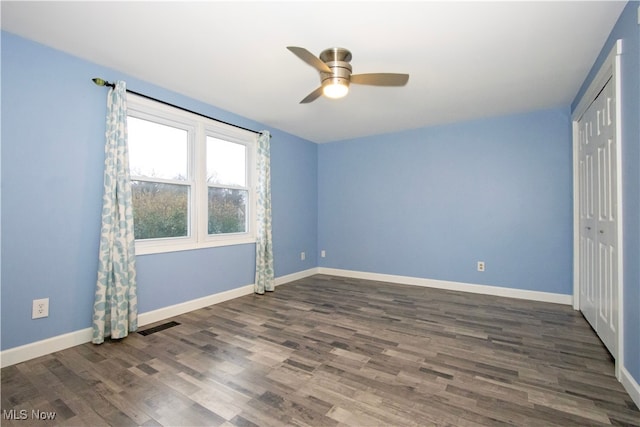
<point x="610" y="69"/>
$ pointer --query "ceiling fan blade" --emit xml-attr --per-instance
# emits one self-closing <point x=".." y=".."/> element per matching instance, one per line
<point x="312" y="96"/>
<point x="380" y="79"/>
<point x="309" y="58"/>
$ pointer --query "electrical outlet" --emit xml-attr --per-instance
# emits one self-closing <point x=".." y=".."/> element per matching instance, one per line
<point x="302" y="256"/>
<point x="40" y="308"/>
<point x="323" y="253"/>
<point x="480" y="265"/>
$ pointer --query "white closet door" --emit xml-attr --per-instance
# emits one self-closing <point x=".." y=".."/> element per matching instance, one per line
<point x="598" y="216"/>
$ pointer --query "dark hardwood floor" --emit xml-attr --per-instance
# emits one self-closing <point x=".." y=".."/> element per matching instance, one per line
<point x="328" y="351"/>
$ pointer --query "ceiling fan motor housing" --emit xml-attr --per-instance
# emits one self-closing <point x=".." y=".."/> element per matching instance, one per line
<point x="337" y="59"/>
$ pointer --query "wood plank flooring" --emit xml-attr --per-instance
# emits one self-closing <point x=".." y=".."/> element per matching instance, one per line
<point x="328" y="351"/>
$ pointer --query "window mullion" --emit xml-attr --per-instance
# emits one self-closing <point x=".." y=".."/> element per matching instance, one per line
<point x="199" y="162"/>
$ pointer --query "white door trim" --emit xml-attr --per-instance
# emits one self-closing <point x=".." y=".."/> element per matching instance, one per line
<point x="610" y="69"/>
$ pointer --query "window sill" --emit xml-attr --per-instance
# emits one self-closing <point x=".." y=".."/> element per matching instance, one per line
<point x="149" y="249"/>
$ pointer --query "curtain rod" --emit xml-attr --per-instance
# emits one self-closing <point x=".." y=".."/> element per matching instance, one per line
<point x="101" y="82"/>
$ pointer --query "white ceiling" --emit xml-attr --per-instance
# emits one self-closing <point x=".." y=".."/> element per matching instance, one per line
<point x="466" y="60"/>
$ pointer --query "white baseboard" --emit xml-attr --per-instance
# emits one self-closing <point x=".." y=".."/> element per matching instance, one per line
<point x="296" y="276"/>
<point x="40" y="348"/>
<point x="631" y="385"/>
<point x="195" y="304"/>
<point x="453" y="286"/>
<point x="51" y="345"/>
<point x="185" y="307"/>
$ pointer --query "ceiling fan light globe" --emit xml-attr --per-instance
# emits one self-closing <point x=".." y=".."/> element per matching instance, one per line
<point x="335" y="88"/>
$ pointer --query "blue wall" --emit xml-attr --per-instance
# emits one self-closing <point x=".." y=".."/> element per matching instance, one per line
<point x="52" y="164"/>
<point x="432" y="202"/>
<point x="628" y="30"/>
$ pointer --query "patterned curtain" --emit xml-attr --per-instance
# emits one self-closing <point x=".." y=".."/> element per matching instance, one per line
<point x="115" y="310"/>
<point x="264" y="248"/>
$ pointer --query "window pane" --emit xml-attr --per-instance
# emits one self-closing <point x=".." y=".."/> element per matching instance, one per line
<point x="156" y="150"/>
<point x="227" y="210"/>
<point x="160" y="210"/>
<point x="226" y="162"/>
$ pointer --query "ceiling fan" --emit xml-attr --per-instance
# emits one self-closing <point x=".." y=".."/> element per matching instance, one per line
<point x="335" y="73"/>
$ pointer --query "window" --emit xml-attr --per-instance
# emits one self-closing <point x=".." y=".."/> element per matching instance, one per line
<point x="227" y="186"/>
<point x="192" y="179"/>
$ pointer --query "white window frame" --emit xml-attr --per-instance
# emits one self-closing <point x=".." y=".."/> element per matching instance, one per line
<point x="198" y="128"/>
